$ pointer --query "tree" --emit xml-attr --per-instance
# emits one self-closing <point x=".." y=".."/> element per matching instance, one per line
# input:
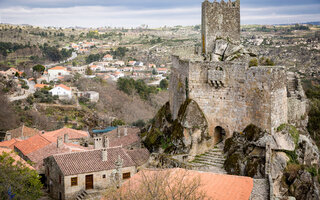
<point x="154" y="71"/>
<point x="89" y="71"/>
<point x="38" y="68"/>
<point x="164" y="84"/>
<point x="159" y="185"/>
<point x="17" y="180"/>
<point x="8" y="118"/>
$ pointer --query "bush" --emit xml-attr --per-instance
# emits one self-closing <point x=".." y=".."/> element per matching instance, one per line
<point x="253" y="62"/>
<point x="129" y="86"/>
<point x="118" y="122"/>
<point x="139" y="123"/>
<point x="164" y="84"/>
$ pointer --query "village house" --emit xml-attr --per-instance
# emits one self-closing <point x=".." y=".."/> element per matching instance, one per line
<point x="131" y="63"/>
<point x="79" y="70"/>
<point x="56" y="72"/>
<point x="74" y="136"/>
<point x="40" y="86"/>
<point x="92" y="96"/>
<point x="9" y="143"/>
<point x="107" y="57"/>
<point x="13" y="71"/>
<point x="162" y="70"/>
<point x="73" y="174"/>
<point x="119" y="63"/>
<point x="62" y="91"/>
<point x="15" y="157"/>
<point x="23" y="132"/>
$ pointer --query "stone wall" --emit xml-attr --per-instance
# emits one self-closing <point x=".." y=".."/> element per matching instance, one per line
<point x="231" y="95"/>
<point x="219" y="20"/>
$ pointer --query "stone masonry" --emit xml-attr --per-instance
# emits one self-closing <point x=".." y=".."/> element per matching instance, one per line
<point x="231" y="94"/>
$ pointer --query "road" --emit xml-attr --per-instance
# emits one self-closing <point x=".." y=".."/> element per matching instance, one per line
<point x="73" y="56"/>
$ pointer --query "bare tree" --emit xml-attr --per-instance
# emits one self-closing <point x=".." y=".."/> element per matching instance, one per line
<point x="178" y="184"/>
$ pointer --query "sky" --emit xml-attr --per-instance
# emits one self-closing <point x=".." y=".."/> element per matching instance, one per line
<point x="133" y="13"/>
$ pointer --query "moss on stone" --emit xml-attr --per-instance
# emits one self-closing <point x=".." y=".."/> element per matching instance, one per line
<point x="292" y="130"/>
<point x="252" y="132"/>
<point x="253" y="166"/>
<point x="228" y="144"/>
<point x="232" y="164"/>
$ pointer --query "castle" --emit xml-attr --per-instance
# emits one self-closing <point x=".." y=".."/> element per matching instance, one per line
<point x="229" y="92"/>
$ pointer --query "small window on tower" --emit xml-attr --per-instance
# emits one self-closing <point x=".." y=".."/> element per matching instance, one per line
<point x="74" y="181"/>
<point x="103" y="176"/>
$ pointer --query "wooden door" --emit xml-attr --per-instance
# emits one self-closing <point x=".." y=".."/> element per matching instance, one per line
<point x="89" y="182"/>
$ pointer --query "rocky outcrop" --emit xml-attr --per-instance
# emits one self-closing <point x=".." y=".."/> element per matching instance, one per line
<point x="294" y="161"/>
<point x="188" y="134"/>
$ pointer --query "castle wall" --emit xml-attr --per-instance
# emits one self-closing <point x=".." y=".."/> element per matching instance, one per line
<point x="232" y="96"/>
<point x="219" y="20"/>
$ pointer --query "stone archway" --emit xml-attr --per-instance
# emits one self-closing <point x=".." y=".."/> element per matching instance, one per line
<point x="219" y="134"/>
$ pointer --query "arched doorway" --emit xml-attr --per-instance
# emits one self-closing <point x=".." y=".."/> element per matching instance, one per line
<point x="219" y="133"/>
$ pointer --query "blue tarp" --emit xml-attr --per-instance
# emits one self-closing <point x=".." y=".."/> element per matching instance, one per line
<point x="106" y="130"/>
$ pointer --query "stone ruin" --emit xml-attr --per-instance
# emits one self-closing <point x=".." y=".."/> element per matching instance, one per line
<point x="231" y="94"/>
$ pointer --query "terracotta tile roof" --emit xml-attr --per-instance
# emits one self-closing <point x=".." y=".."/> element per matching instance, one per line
<point x="132" y="137"/>
<point x="32" y="144"/>
<point x="215" y="186"/>
<point x="15" y="157"/>
<point x="49" y="150"/>
<point x="63" y="86"/>
<point x="10" y="143"/>
<point x="139" y="156"/>
<point x="23" y="131"/>
<point x="40" y="85"/>
<point x="91" y="161"/>
<point x="108" y="56"/>
<point x="58" y="68"/>
<point x="72" y="134"/>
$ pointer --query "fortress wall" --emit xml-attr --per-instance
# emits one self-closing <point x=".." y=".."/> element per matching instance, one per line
<point x="254" y="95"/>
<point x="177" y="86"/>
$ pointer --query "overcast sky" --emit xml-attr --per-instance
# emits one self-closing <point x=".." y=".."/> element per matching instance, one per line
<point x="155" y="13"/>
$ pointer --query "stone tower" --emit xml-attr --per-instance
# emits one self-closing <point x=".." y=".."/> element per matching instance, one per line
<point x="219" y="21"/>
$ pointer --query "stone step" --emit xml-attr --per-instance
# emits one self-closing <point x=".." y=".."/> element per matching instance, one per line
<point x="211" y="164"/>
<point x="214" y="154"/>
<point x="211" y="159"/>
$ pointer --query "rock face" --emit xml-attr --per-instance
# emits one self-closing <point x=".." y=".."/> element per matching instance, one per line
<point x="294" y="160"/>
<point x="188" y="134"/>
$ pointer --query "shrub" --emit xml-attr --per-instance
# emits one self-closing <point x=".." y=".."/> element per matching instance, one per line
<point x="253" y="62"/>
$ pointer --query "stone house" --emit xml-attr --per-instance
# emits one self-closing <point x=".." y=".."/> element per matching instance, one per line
<point x="92" y="96"/>
<point x="68" y="175"/>
<point x="23" y="132"/>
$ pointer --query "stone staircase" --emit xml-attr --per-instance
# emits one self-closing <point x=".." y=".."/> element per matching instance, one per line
<point x="292" y="84"/>
<point x="82" y="195"/>
<point x="213" y="160"/>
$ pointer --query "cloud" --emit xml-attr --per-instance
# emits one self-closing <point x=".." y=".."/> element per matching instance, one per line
<point x="120" y="16"/>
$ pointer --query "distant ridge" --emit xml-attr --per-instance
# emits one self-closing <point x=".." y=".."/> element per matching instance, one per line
<point x="310" y="23"/>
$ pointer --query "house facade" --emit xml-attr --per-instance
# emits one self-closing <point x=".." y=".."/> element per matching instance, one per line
<point x="64" y="92"/>
<point x="56" y="72"/>
<point x="68" y="175"/>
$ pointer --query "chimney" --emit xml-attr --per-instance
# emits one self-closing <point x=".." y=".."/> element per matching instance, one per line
<point x="59" y="142"/>
<point x="98" y="143"/>
<point x="8" y="136"/>
<point x="106" y="142"/>
<point x="125" y="131"/>
<point x="118" y="131"/>
<point x="104" y="154"/>
<point x="66" y="138"/>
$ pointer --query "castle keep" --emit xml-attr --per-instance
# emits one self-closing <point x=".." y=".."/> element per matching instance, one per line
<point x="231" y="94"/>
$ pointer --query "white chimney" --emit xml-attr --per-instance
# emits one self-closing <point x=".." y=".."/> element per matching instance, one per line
<point x="125" y="131"/>
<point x="104" y="154"/>
<point x="106" y="142"/>
<point x="98" y="143"/>
<point x="59" y="142"/>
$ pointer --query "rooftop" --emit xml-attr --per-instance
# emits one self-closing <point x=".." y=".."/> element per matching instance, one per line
<point x="32" y="144"/>
<point x="23" y="131"/>
<point x="72" y="134"/>
<point x="91" y="161"/>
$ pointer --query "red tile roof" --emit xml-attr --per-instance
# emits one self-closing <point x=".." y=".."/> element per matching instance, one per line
<point x="32" y="144"/>
<point x="58" y="68"/>
<point x="15" y="157"/>
<point x="40" y="85"/>
<point x="214" y="186"/>
<point x="132" y="137"/>
<point x="49" y="150"/>
<point x="64" y="86"/>
<point x="91" y="161"/>
<point x="139" y="156"/>
<point x="72" y="134"/>
<point x="23" y="131"/>
<point x="10" y="143"/>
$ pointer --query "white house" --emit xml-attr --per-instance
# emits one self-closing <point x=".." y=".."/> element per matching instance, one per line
<point x="91" y="95"/>
<point x="107" y="57"/>
<point x="64" y="92"/>
<point x="56" y="72"/>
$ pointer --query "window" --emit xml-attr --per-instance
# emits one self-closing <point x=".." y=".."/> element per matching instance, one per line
<point x="59" y="179"/>
<point x="126" y="175"/>
<point x="103" y="176"/>
<point x="74" y="181"/>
